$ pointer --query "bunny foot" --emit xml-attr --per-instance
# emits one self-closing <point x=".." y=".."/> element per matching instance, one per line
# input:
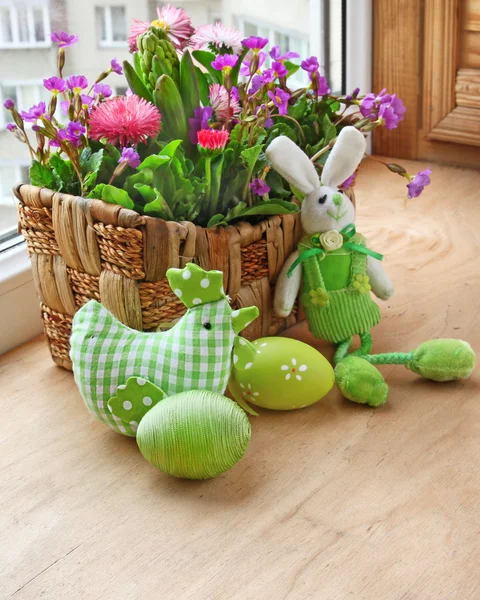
<point x="443" y="360"/>
<point x="361" y="382"/>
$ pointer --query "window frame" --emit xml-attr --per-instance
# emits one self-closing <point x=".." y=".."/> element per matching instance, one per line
<point x="18" y="83"/>
<point x="31" y="43"/>
<point x="107" y="16"/>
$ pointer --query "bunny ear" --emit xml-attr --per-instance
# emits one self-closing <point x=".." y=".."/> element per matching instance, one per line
<point x="344" y="158"/>
<point x="293" y="164"/>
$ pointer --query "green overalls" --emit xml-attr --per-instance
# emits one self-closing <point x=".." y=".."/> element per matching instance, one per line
<point x="336" y="292"/>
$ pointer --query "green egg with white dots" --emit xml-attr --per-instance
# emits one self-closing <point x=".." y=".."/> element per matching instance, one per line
<point x="285" y="375"/>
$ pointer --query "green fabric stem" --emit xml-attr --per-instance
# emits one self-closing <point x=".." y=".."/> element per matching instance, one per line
<point x="389" y="358"/>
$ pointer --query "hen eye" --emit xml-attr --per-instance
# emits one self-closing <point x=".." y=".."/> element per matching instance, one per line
<point x="322" y="199"/>
<point x="207" y="325"/>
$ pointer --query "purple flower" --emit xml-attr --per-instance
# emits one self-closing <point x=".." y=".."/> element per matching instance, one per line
<point x="279" y="69"/>
<point x="102" y="90"/>
<point x="65" y="105"/>
<point x="392" y="113"/>
<point x="280" y="99"/>
<point x="353" y="95"/>
<point x="54" y="85"/>
<point x="11" y="126"/>
<point x="63" y="39"/>
<point x="34" y="113"/>
<point x="225" y="63"/>
<point x="310" y="64"/>
<point x="277" y="55"/>
<point x="259" y="187"/>
<point x="234" y="94"/>
<point x="200" y="119"/>
<point x="319" y="84"/>
<point x="9" y="104"/>
<point x="416" y="185"/>
<point x="87" y="101"/>
<point x="131" y="157"/>
<point x="252" y="64"/>
<point x="72" y="133"/>
<point x="256" y="84"/>
<point x="116" y="67"/>
<point x="348" y="182"/>
<point x="255" y="43"/>
<point x="77" y="83"/>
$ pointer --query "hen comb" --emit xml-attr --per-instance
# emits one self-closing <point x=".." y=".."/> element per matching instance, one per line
<point x="194" y="286"/>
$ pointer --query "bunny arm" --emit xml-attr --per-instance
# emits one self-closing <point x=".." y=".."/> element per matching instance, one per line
<point x="382" y="287"/>
<point x="287" y="288"/>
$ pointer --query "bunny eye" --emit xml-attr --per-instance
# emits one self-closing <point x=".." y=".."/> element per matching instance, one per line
<point x="322" y="199"/>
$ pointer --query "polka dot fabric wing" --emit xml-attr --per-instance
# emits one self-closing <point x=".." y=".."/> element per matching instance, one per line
<point x="134" y="400"/>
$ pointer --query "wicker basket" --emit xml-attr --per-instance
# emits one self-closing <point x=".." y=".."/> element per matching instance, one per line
<point x="87" y="249"/>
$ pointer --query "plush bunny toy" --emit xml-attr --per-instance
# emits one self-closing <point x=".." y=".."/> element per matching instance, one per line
<point x="339" y="271"/>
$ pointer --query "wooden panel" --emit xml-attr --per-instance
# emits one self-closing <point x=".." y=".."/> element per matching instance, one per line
<point x="469" y="50"/>
<point x="471" y="20"/>
<point x="467" y="88"/>
<point x="440" y="40"/>
<point x="461" y="125"/>
<point x="398" y="75"/>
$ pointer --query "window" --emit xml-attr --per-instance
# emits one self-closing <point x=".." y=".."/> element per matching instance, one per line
<point x="10" y="175"/>
<point x="24" y="94"/>
<point x="24" y="25"/>
<point x="111" y="26"/>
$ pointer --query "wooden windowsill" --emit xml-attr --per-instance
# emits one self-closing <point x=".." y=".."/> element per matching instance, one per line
<point x="334" y="501"/>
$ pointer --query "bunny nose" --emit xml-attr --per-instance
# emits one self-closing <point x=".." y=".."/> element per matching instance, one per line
<point x="337" y="199"/>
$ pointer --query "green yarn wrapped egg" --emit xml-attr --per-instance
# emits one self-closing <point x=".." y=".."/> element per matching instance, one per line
<point x="286" y="374"/>
<point x="194" y="435"/>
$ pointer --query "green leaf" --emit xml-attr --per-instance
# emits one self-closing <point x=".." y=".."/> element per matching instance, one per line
<point x="62" y="169"/>
<point x="250" y="156"/>
<point x="216" y="220"/>
<point x="97" y="191"/>
<point x="171" y="148"/>
<point x="89" y="180"/>
<point x="202" y="86"/>
<point x="189" y="85"/>
<point x="93" y="163"/>
<point x="205" y="59"/>
<point x="292" y="68"/>
<point x="147" y="192"/>
<point x="270" y="207"/>
<point x="329" y="130"/>
<point x="144" y="177"/>
<point x="170" y="104"/>
<point x="136" y="84"/>
<point x="159" y="208"/>
<point x="159" y="68"/>
<point x="235" y="187"/>
<point x="114" y="195"/>
<point x="154" y="162"/>
<point x="41" y="176"/>
<point x="299" y="108"/>
<point x="276" y="185"/>
<point x="217" y="166"/>
<point x="85" y="155"/>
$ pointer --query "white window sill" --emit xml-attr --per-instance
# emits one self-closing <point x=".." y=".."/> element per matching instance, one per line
<point x="19" y="305"/>
<point x="26" y="45"/>
<point x="103" y="44"/>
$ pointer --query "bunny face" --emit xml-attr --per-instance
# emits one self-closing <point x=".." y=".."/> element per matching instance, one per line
<point x="326" y="208"/>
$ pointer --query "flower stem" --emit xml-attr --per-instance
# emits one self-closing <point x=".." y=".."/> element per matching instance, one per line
<point x="316" y="156"/>
<point x="208" y="177"/>
<point x="295" y="121"/>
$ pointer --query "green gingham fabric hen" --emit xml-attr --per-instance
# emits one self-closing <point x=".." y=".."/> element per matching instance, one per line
<point x="115" y="365"/>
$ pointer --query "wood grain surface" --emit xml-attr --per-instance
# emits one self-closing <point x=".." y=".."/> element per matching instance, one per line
<point x="334" y="502"/>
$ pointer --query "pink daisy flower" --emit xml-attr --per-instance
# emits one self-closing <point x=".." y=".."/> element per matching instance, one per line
<point x="217" y="37"/>
<point x="218" y="95"/>
<point x="124" y="121"/>
<point x="213" y="139"/>
<point x="174" y="21"/>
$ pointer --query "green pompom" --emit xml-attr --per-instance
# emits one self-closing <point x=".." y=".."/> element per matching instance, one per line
<point x="443" y="360"/>
<point x="194" y="435"/>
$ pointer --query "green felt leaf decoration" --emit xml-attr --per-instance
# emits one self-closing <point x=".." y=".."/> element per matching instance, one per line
<point x="194" y="286"/>
<point x="134" y="399"/>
